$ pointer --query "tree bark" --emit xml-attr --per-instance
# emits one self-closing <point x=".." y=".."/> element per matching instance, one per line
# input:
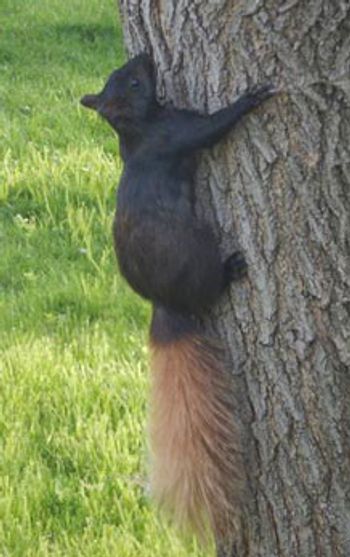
<point x="279" y="188"/>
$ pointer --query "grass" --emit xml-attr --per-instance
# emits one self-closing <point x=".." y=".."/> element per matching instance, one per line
<point x="73" y="364"/>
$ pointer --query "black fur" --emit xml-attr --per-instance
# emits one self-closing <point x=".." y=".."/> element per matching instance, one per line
<point x="166" y="254"/>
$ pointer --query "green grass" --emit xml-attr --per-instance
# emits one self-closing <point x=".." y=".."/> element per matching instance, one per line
<point x="73" y="364"/>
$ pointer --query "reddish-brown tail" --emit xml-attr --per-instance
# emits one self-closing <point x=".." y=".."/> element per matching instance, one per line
<point x="196" y="473"/>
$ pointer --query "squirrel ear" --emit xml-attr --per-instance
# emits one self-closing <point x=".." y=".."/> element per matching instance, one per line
<point x="144" y="61"/>
<point x="90" y="101"/>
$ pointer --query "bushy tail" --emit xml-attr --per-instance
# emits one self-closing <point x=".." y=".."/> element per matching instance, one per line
<point x="197" y="472"/>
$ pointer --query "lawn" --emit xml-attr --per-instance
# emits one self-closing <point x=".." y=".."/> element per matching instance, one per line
<point x="73" y="362"/>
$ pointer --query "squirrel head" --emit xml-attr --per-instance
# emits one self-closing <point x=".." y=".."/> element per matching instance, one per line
<point x="129" y="95"/>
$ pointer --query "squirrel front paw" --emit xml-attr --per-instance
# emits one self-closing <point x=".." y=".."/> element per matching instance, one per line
<point x="260" y="93"/>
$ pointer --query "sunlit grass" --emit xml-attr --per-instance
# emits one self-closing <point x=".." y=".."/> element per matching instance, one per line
<point x="73" y="364"/>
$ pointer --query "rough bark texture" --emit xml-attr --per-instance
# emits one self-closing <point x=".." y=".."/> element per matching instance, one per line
<point x="280" y="188"/>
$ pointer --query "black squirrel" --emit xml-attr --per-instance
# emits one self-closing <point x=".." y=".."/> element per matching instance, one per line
<point x="172" y="258"/>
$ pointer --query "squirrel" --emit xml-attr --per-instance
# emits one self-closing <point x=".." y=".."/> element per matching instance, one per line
<point x="171" y="257"/>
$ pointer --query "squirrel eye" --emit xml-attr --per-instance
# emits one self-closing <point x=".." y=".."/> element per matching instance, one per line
<point x="134" y="83"/>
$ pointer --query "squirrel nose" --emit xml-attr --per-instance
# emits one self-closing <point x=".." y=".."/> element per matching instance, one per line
<point x="91" y="101"/>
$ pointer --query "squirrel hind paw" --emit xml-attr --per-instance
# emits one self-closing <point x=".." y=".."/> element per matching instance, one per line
<point x="235" y="267"/>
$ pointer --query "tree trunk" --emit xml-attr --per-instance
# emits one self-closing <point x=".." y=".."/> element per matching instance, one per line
<point x="278" y="187"/>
